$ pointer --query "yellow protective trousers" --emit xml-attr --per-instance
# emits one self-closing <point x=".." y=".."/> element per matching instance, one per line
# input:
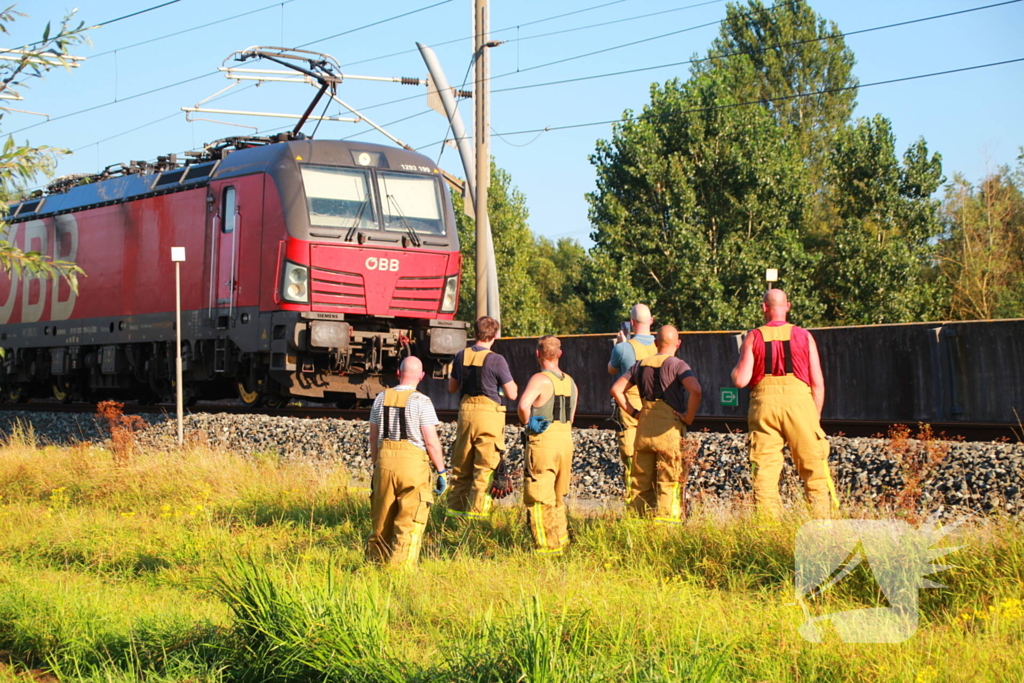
<point x="547" y="472"/>
<point x="627" y="443"/>
<point x="479" y="443"/>
<point x="782" y="411"/>
<point x="658" y="464"/>
<point x="399" y="504"/>
<point x="627" y="436"/>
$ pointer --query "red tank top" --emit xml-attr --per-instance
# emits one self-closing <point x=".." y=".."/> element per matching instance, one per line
<point x="799" y="346"/>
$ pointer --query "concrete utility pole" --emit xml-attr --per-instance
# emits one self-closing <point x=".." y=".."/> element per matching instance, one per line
<point x="481" y="133"/>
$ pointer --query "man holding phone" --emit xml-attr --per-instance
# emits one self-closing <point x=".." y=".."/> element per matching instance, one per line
<point x="628" y="350"/>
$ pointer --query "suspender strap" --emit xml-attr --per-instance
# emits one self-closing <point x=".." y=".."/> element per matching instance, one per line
<point x="560" y="403"/>
<point x="472" y="369"/>
<point x="787" y="358"/>
<point x="395" y="400"/>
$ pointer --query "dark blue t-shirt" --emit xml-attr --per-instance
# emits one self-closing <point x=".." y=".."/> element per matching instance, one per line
<point x="493" y="374"/>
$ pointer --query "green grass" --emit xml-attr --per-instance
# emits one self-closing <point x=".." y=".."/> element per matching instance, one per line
<point x="205" y="566"/>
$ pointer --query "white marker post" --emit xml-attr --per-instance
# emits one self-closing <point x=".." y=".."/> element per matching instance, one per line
<point x="178" y="256"/>
<point x="771" y="275"/>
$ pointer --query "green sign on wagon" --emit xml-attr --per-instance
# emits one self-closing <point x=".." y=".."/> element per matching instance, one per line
<point x="730" y="396"/>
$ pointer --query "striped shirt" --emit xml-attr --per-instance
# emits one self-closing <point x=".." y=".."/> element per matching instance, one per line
<point x="419" y="412"/>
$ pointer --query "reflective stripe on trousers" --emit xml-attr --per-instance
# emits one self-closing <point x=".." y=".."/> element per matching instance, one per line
<point x="400" y="503"/>
<point x="479" y="443"/>
<point x="657" y="465"/>
<point x="627" y="444"/>
<point x="782" y="411"/>
<point x="547" y="473"/>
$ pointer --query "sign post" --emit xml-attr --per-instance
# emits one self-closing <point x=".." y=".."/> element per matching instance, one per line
<point x="771" y="275"/>
<point x="178" y="256"/>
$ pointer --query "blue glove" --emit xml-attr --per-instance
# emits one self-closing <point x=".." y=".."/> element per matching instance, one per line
<point x="537" y="424"/>
<point x="442" y="483"/>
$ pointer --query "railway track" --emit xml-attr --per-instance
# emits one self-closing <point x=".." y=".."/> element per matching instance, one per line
<point x="967" y="431"/>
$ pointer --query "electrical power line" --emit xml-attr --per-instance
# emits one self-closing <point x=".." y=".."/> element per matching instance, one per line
<point x="733" y="54"/>
<point x="783" y="98"/>
<point x="376" y="23"/>
<point x="704" y="59"/>
<point x="201" y="76"/>
<point x="189" y="30"/>
<point x="518" y="26"/>
<point x="108" y="22"/>
<point x="123" y="99"/>
<point x="134" y="14"/>
<point x="610" y="23"/>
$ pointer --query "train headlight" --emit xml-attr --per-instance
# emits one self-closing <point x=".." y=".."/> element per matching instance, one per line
<point x="296" y="283"/>
<point x="450" y="300"/>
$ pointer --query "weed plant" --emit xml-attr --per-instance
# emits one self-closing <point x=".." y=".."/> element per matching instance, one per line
<point x="200" y="565"/>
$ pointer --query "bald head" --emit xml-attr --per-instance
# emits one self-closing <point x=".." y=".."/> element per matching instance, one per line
<point x="667" y="339"/>
<point x="410" y="372"/>
<point x="775" y="305"/>
<point x="640" y="314"/>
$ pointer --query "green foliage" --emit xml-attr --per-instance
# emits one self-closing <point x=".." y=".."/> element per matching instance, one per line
<point x="702" y="191"/>
<point x="982" y="252"/>
<point x="694" y="198"/>
<point x="268" y="583"/>
<point x="880" y="244"/>
<point x="20" y="164"/>
<point x="540" y="283"/>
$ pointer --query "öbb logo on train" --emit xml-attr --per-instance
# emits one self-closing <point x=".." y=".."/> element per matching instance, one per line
<point x="374" y="263"/>
<point x="57" y="237"/>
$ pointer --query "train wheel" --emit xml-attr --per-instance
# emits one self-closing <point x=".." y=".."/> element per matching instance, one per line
<point x="276" y="401"/>
<point x="251" y="398"/>
<point x="15" y="394"/>
<point x="61" y="391"/>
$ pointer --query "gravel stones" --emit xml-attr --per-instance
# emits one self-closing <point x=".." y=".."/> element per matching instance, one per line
<point x="981" y="477"/>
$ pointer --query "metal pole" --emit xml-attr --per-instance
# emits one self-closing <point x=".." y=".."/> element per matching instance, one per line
<point x="483" y="155"/>
<point x="177" y="359"/>
<point x="466" y="152"/>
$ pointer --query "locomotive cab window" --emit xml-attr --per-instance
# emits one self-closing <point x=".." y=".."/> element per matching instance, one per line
<point x="339" y="197"/>
<point x="228" y="211"/>
<point x="411" y="202"/>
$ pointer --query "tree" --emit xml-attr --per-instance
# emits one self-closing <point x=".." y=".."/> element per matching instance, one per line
<point x="522" y="312"/>
<point x="20" y="164"/>
<point x="559" y="272"/>
<point x="982" y="253"/>
<point x="752" y="163"/>
<point x="543" y="284"/>
<point x="879" y="248"/>
<point x="695" y="198"/>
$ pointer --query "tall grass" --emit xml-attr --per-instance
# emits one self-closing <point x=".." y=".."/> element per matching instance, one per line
<point x="204" y="566"/>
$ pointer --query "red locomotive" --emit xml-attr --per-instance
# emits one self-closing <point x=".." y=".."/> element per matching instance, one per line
<point x="313" y="267"/>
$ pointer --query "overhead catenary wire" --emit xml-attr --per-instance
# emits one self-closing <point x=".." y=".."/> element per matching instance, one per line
<point x="110" y="21"/>
<point x="748" y="103"/>
<point x="201" y="76"/>
<point x="833" y="36"/>
<point x="733" y="54"/>
<point x="281" y="3"/>
<point x="542" y="20"/>
<point x="375" y="23"/>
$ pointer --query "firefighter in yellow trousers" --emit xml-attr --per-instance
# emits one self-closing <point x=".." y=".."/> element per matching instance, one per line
<point x="662" y="420"/>
<point x="479" y="375"/>
<point x="403" y="444"/>
<point x="779" y="361"/>
<point x="546" y="410"/>
<point x="626" y="352"/>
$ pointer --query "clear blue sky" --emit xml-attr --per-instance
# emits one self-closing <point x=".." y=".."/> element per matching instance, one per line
<point x="973" y="118"/>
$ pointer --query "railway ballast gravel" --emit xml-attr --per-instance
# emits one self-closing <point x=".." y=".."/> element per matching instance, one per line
<point x="982" y="477"/>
